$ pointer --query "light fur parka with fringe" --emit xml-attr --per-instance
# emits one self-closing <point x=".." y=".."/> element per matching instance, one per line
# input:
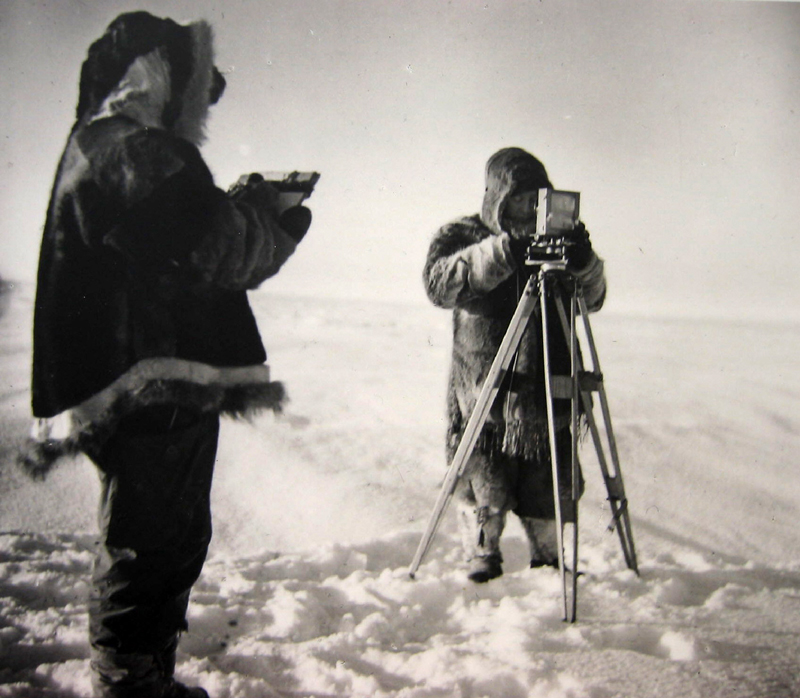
<point x="145" y="263"/>
<point x="470" y="269"/>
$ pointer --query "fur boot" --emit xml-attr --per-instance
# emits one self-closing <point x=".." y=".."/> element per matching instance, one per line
<point x="481" y="528"/>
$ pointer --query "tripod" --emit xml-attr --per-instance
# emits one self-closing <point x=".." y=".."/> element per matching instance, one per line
<point x="550" y="280"/>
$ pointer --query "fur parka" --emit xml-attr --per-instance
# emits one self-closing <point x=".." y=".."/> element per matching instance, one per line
<point x="471" y="269"/>
<point x="144" y="262"/>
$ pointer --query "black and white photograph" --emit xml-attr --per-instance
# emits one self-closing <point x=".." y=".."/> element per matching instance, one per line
<point x="399" y="349"/>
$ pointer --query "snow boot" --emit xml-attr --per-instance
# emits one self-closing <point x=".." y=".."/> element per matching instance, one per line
<point x="178" y="690"/>
<point x="481" y="529"/>
<point x="482" y="568"/>
<point x="125" y="675"/>
<point x="139" y="675"/>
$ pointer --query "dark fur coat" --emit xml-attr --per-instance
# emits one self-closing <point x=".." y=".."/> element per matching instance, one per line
<point x="145" y="263"/>
<point x="471" y="269"/>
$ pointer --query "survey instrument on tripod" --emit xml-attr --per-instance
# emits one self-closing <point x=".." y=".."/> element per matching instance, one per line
<point x="550" y="279"/>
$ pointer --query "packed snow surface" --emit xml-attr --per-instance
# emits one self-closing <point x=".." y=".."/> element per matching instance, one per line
<point x="318" y="513"/>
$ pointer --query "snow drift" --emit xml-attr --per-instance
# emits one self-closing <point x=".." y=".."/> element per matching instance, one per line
<point x="318" y="513"/>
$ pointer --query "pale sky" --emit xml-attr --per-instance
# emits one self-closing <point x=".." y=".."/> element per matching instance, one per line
<point x="677" y="121"/>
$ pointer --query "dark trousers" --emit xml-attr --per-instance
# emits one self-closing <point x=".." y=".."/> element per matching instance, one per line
<point x="155" y="528"/>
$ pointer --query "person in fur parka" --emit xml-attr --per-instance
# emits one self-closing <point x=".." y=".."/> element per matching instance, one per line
<point x="475" y="266"/>
<point x="143" y="334"/>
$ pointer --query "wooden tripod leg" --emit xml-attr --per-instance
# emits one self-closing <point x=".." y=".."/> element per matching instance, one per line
<point x="491" y="385"/>
<point x="574" y="464"/>
<point x="570" y="390"/>
<point x="580" y="385"/>
<point x="593" y="382"/>
<point x="551" y="430"/>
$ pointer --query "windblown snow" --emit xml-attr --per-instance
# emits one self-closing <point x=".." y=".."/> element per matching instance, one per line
<point x="318" y="513"/>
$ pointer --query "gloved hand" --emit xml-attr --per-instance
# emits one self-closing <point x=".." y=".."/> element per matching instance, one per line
<point x="580" y="252"/>
<point x="256" y="192"/>
<point x="296" y="221"/>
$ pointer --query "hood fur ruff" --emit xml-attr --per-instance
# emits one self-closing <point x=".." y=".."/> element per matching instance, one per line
<point x="191" y="122"/>
<point x="146" y="90"/>
<point x="234" y="392"/>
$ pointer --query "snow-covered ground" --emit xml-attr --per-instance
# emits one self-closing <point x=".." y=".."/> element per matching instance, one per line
<point x="318" y="514"/>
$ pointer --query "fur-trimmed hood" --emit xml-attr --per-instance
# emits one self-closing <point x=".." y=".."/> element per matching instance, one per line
<point x="509" y="171"/>
<point x="159" y="73"/>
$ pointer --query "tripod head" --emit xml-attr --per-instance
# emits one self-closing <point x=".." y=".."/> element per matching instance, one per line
<point x="560" y="280"/>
